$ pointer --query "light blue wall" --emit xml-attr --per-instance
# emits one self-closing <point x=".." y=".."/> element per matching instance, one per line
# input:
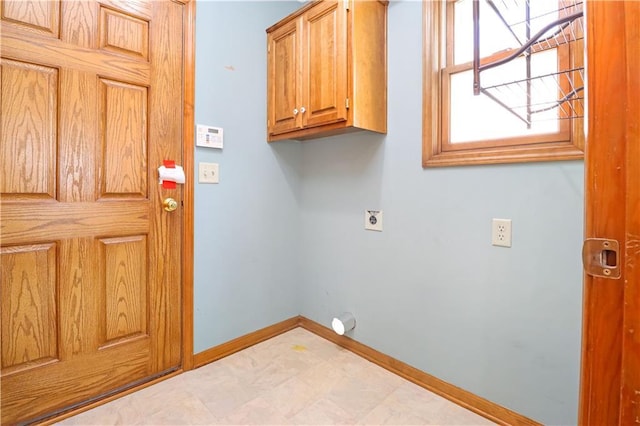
<point x="283" y="232"/>
<point x="430" y="289"/>
<point x="246" y="241"/>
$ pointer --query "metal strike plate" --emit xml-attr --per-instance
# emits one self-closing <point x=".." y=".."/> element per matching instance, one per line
<point x="601" y="257"/>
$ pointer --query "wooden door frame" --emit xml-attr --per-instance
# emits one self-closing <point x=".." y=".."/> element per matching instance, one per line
<point x="609" y="376"/>
<point x="188" y="124"/>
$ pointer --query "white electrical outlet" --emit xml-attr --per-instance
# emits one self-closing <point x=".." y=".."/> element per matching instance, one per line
<point x="501" y="232"/>
<point x="373" y="220"/>
<point x="208" y="173"/>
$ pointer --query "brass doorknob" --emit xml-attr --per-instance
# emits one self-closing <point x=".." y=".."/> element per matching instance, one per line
<point x="170" y="204"/>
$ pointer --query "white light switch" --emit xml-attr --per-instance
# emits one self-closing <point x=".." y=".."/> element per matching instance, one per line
<point x="208" y="173"/>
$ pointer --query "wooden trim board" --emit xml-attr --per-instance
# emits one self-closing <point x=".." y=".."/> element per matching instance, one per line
<point x="243" y="342"/>
<point x="478" y="405"/>
<point x="610" y="365"/>
<point x="188" y="123"/>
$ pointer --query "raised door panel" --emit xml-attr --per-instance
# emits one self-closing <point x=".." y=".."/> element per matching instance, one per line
<point x="29" y="320"/>
<point x="29" y="131"/>
<point x="123" y="33"/>
<point x="325" y="64"/>
<point x="123" y="119"/>
<point x="125" y="291"/>
<point x="36" y="16"/>
<point x="284" y="79"/>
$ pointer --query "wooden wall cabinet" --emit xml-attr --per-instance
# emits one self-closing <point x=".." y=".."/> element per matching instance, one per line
<point x="327" y="70"/>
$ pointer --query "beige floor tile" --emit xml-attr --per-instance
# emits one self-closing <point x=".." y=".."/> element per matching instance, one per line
<point x="374" y="373"/>
<point x="223" y="398"/>
<point x="349" y="363"/>
<point x="291" y="397"/>
<point x="323" y="412"/>
<point x="358" y="397"/>
<point x="323" y="376"/>
<point x="255" y="412"/>
<point x="188" y="411"/>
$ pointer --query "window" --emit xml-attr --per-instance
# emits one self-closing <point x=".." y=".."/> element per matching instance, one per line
<point x="529" y="108"/>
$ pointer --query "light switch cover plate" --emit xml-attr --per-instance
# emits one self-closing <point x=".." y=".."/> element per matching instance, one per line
<point x="208" y="173"/>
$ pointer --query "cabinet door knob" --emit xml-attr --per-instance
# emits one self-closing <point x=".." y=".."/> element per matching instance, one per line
<point x="302" y="110"/>
<point x="295" y="111"/>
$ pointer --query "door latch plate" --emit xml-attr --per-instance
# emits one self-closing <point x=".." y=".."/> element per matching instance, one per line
<point x="600" y="257"/>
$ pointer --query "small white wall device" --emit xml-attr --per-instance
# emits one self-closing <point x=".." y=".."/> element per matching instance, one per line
<point x="373" y="220"/>
<point x="343" y="323"/>
<point x="209" y="136"/>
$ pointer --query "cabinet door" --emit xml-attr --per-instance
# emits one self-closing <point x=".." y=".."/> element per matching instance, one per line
<point x="284" y="79"/>
<point x="325" y="59"/>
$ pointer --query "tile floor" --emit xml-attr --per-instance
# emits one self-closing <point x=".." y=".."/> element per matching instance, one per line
<point x="296" y="378"/>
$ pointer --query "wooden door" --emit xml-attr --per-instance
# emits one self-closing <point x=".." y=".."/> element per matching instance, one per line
<point x="90" y="262"/>
<point x="284" y="89"/>
<point x="610" y="382"/>
<point x="325" y="64"/>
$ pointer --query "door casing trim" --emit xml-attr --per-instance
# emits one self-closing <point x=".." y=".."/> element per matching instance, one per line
<point x="188" y="190"/>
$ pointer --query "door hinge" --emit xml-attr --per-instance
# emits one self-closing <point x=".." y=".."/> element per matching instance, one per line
<point x="600" y="257"/>
<point x="346" y="103"/>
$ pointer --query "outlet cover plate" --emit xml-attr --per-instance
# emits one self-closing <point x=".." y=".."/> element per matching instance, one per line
<point x="501" y="232"/>
<point x="373" y="220"/>
<point x="208" y="173"/>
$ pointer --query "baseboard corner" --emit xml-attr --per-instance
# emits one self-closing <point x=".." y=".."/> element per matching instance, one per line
<point x="232" y="346"/>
